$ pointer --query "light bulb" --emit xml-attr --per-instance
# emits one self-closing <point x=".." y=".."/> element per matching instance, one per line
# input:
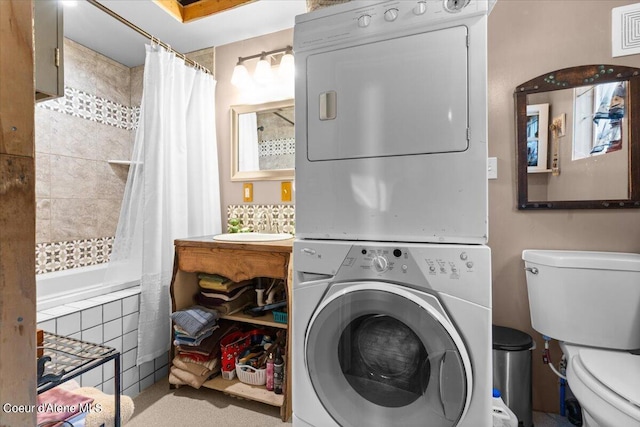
<point x="287" y="67"/>
<point x="263" y="75"/>
<point x="240" y="77"/>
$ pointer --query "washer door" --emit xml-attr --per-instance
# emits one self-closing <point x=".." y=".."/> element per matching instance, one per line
<point x="381" y="355"/>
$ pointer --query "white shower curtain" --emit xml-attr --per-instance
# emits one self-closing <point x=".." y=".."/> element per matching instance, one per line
<point x="172" y="190"/>
<point x="249" y="151"/>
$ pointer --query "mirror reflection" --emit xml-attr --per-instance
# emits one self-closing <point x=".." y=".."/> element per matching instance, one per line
<point x="574" y="139"/>
<point x="263" y="141"/>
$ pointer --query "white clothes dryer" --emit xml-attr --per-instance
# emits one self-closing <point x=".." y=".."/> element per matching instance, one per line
<point x="388" y="334"/>
<point x="391" y="121"/>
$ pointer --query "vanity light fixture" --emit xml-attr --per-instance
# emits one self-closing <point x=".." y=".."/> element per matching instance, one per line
<point x="263" y="73"/>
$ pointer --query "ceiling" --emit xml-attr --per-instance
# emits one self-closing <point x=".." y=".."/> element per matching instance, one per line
<point x="87" y="25"/>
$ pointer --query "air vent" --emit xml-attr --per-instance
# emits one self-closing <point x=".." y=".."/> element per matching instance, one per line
<point x="625" y="30"/>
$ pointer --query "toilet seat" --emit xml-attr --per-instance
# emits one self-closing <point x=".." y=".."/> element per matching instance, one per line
<point x="618" y="371"/>
<point x="608" y="376"/>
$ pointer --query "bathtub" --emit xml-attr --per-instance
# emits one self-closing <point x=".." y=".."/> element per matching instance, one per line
<point x="68" y="286"/>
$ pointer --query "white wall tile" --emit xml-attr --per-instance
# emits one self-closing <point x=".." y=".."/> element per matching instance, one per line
<point x="162" y="373"/>
<point x="76" y="336"/>
<point x="91" y="317"/>
<point x="108" y="369"/>
<point x="112" y="310"/>
<point x="93" y="335"/>
<point x="69" y="324"/>
<point x="108" y="387"/>
<point x="48" y="325"/>
<point x="112" y="329"/>
<point x="115" y="343"/>
<point x="161" y="361"/>
<point x="130" y="340"/>
<point x="129" y="378"/>
<point x="146" y="369"/>
<point x="41" y="317"/>
<point x="132" y="391"/>
<point x="129" y="359"/>
<point x="130" y="323"/>
<point x="146" y="382"/>
<point x="130" y="305"/>
<point x="91" y="378"/>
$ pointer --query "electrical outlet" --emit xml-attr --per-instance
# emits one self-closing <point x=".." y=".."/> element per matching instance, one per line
<point x="492" y="168"/>
<point x="285" y="190"/>
<point x="247" y="192"/>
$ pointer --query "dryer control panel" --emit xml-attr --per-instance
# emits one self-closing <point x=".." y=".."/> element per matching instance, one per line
<point x="359" y="19"/>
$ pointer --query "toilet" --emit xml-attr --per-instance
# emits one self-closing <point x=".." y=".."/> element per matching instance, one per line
<point x="590" y="302"/>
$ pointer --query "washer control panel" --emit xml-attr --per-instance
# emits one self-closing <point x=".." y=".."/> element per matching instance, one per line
<point x="460" y="270"/>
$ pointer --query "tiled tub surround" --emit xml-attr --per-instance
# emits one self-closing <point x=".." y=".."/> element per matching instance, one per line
<point x="59" y="256"/>
<point x="78" y="193"/>
<point x="112" y="320"/>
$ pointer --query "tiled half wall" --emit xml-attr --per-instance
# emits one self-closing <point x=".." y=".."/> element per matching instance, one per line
<point x="111" y="320"/>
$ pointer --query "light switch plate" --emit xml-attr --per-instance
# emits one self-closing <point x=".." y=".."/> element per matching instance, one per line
<point x="492" y="168"/>
<point x="285" y="190"/>
<point x="247" y="192"/>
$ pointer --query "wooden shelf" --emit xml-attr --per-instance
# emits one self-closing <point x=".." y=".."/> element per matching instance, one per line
<point x="266" y="320"/>
<point x="235" y="387"/>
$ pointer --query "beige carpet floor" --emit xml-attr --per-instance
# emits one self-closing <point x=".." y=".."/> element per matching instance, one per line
<point x="161" y="406"/>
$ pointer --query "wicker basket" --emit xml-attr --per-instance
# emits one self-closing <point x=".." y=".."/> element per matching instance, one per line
<point x="250" y="375"/>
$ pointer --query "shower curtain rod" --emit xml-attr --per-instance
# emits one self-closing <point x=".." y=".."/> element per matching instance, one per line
<point x="147" y="35"/>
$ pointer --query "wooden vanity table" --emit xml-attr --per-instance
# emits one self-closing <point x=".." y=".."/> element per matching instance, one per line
<point x="237" y="261"/>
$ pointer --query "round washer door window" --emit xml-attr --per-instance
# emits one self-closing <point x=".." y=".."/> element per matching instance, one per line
<point x="377" y="358"/>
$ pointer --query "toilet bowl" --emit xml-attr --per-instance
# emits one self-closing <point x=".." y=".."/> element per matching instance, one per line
<point x="590" y="302"/>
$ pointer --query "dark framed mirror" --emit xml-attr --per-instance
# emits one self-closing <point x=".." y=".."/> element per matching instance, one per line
<point x="578" y="139"/>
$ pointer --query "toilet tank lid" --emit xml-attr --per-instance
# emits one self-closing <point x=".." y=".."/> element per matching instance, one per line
<point x="583" y="259"/>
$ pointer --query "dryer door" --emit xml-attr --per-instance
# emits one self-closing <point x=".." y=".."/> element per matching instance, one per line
<point x="377" y="356"/>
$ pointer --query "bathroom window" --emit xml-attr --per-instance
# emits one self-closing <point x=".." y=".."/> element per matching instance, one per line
<point x="599" y="111"/>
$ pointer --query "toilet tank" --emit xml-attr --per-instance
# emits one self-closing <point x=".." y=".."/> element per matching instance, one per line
<point x="585" y="298"/>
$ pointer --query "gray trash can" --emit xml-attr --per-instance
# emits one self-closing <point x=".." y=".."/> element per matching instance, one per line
<point x="512" y="371"/>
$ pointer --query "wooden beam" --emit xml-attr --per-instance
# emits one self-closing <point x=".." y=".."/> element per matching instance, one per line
<point x="172" y="7"/>
<point x="199" y="9"/>
<point x="203" y="8"/>
<point x="17" y="213"/>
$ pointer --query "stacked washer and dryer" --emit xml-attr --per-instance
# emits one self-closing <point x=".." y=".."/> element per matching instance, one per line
<point x="392" y="288"/>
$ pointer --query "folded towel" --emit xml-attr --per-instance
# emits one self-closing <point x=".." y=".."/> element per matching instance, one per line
<point x="195" y="319"/>
<point x="58" y="404"/>
<point x="196" y="368"/>
<point x="228" y="307"/>
<point x="213" y="277"/>
<point x="182" y="377"/>
<point x="222" y="287"/>
<point x="210" y="346"/>
<point x="185" y="339"/>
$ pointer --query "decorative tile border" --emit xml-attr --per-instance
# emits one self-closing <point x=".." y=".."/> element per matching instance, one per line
<point x="282" y="215"/>
<point x="277" y="147"/>
<point x="58" y="256"/>
<point x="78" y="103"/>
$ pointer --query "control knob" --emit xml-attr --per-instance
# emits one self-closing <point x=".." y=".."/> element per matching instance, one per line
<point x="420" y="8"/>
<point x="364" y="21"/>
<point x="380" y="263"/>
<point x="390" y="15"/>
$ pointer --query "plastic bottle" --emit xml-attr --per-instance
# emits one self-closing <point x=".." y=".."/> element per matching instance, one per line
<point x="270" y="372"/>
<point x="278" y="372"/>
<point x="502" y="415"/>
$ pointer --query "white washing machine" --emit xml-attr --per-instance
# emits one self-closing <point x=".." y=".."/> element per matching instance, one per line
<point x="391" y="334"/>
<point x="391" y="134"/>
